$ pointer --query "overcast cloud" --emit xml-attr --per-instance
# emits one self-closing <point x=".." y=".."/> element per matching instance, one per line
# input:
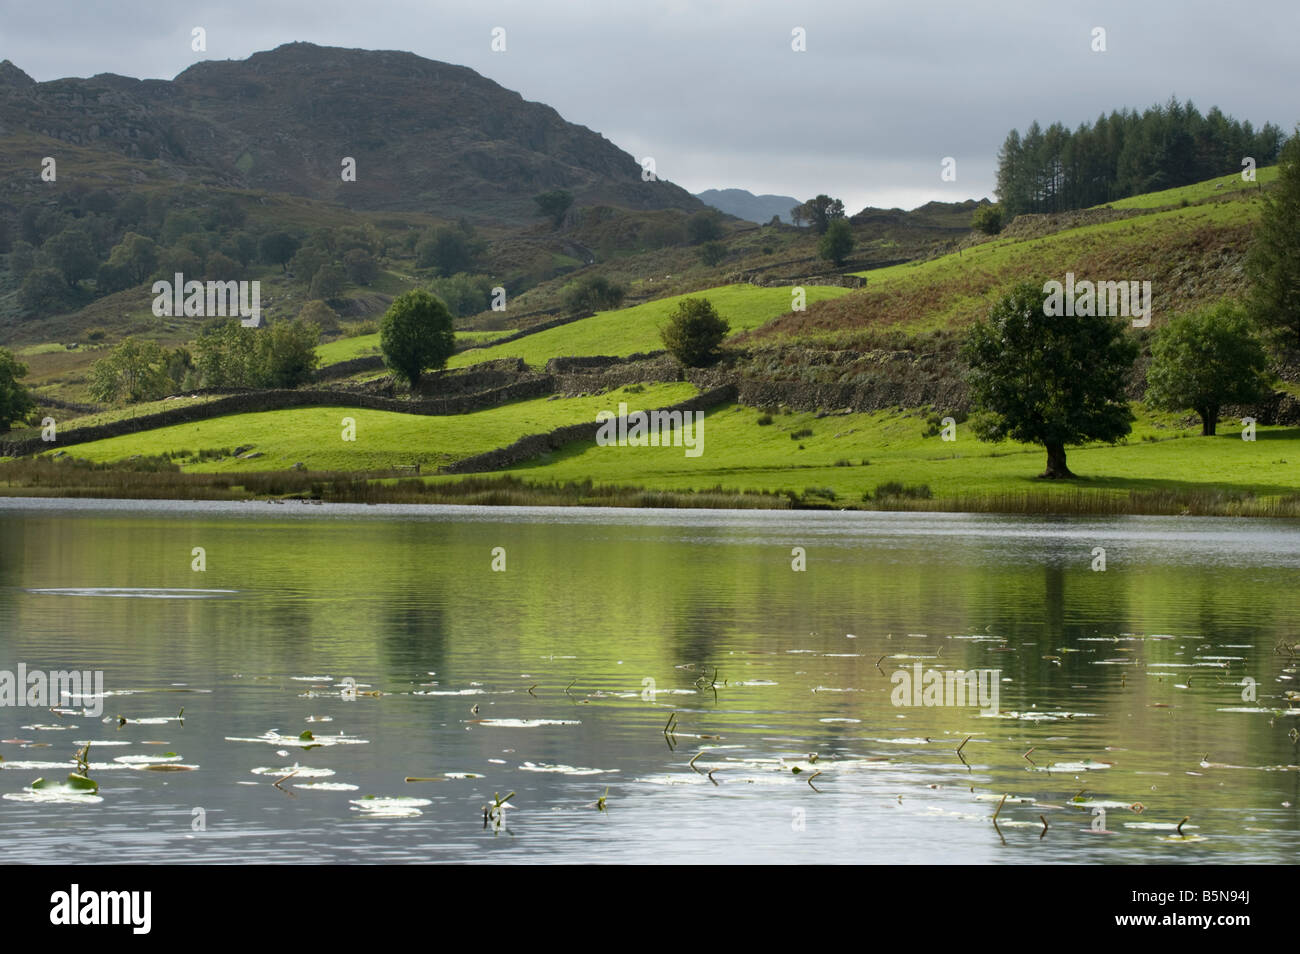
<point x="713" y="91"/>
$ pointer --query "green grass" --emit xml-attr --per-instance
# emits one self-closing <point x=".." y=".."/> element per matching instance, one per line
<point x="953" y="290"/>
<point x="1197" y="192"/>
<point x="48" y="347"/>
<point x="741" y="455"/>
<point x="636" y="329"/>
<point x="384" y="439"/>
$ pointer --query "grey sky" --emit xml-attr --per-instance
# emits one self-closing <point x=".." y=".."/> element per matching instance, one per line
<point x="714" y="92"/>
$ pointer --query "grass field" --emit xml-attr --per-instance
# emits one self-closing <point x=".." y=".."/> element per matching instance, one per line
<point x="636" y="329"/>
<point x="1198" y="191"/>
<point x="739" y="454"/>
<point x="384" y="439"/>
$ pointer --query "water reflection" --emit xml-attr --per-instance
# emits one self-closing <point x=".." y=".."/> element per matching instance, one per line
<point x="556" y="653"/>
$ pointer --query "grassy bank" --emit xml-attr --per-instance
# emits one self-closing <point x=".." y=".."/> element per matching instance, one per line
<point x="891" y="460"/>
<point x="844" y="460"/>
<point x="314" y="436"/>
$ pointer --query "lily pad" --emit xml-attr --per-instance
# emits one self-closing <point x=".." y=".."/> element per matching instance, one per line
<point x="76" y="789"/>
<point x="564" y="769"/>
<point x="373" y="806"/>
<point x="273" y="737"/>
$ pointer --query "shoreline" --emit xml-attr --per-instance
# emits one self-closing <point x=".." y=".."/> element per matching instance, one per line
<point x="483" y="493"/>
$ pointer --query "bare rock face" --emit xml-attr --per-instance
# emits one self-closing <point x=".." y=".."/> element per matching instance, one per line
<point x="425" y="136"/>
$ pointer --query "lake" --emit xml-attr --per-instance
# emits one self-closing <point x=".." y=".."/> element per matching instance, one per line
<point x="728" y="705"/>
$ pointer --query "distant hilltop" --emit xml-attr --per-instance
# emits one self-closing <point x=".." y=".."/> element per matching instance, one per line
<point x="426" y="136"/>
<point x="745" y="205"/>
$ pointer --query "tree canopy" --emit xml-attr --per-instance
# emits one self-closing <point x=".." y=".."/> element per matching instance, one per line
<point x="1123" y="154"/>
<point x="15" y="402"/>
<point x="819" y="212"/>
<point x="694" y="332"/>
<point x="837" y="242"/>
<point x="1204" y="360"/>
<point x="554" y="205"/>
<point x="1273" y="263"/>
<point x="416" y="335"/>
<point x="1048" y="380"/>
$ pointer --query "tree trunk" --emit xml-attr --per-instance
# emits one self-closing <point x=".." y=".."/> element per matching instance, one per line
<point x="1056" y="468"/>
<point x="1209" y="421"/>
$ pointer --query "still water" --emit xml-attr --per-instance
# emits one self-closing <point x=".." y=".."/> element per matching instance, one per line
<point x="584" y="666"/>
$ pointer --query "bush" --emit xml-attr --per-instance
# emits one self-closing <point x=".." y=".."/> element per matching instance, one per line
<point x="286" y="354"/>
<point x="321" y="315"/>
<point x="463" y="294"/>
<point x="447" y="251"/>
<point x="307" y="262"/>
<point x="895" y="489"/>
<point x="554" y="205"/>
<point x="711" y="253"/>
<point x="360" y="266"/>
<point x="801" y="433"/>
<point x="43" y="290"/>
<point x="694" y="332"/>
<point x="282" y="355"/>
<point x="277" y="248"/>
<point x="416" y="335"/>
<point x="112" y="278"/>
<point x="328" y="282"/>
<point x="593" y="293"/>
<point x="987" y="219"/>
<point x="15" y="402"/>
<point x="837" y="242"/>
<point x="136" y="370"/>
<point x="764" y="420"/>
<point x="705" y="226"/>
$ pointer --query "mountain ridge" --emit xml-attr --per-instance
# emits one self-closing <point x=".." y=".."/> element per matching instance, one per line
<point x="426" y="136"/>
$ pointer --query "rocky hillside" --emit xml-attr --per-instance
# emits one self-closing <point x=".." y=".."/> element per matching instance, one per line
<point x="426" y="136"/>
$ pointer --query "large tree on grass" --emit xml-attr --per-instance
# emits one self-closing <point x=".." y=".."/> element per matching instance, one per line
<point x="15" y="402"/>
<point x="1048" y="380"/>
<point x="416" y="335"/>
<point x="1205" y="360"/>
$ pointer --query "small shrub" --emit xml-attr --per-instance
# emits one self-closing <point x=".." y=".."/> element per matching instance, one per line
<point x="826" y="492"/>
<point x="694" y="332"/>
<point x="893" y="488"/>
<point x="764" y="420"/>
<point x="802" y="432"/>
